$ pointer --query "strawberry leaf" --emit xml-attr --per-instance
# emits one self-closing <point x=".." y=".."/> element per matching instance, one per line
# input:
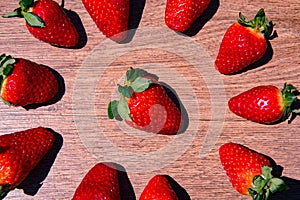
<point x="140" y="84"/>
<point x="16" y="13"/>
<point x="133" y="74"/>
<point x="123" y="109"/>
<point x="33" y="20"/>
<point x="26" y="3"/>
<point x="126" y="91"/>
<point x="112" y="109"/>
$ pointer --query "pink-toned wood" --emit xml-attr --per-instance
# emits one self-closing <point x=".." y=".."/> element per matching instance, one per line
<point x="193" y="156"/>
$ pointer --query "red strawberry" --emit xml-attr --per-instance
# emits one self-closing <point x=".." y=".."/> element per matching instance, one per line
<point x="24" y="82"/>
<point x="244" y="43"/>
<point x="101" y="182"/>
<point x="48" y="22"/>
<point x="264" y="104"/>
<point x="145" y="105"/>
<point x="249" y="172"/>
<point x="110" y="16"/>
<point x="158" y="188"/>
<point x="20" y="152"/>
<point x="180" y="14"/>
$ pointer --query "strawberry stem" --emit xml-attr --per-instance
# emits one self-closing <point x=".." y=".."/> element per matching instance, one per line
<point x="24" y="12"/>
<point x="260" y="22"/>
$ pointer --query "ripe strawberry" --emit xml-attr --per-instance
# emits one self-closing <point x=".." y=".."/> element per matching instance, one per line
<point x="145" y="105"/>
<point x="180" y="14"/>
<point x="244" y="43"/>
<point x="20" y="152"/>
<point x="101" y="182"/>
<point x="158" y="188"/>
<point x="24" y="82"/>
<point x="264" y="104"/>
<point x="110" y="16"/>
<point x="48" y="22"/>
<point x="249" y="172"/>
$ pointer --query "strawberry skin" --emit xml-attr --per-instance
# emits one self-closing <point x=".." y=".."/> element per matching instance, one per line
<point x="145" y="105"/>
<point x="101" y="182"/>
<point x="158" y="188"/>
<point x="180" y="14"/>
<point x="249" y="169"/>
<point x="48" y="22"/>
<point x="110" y="16"/>
<point x="243" y="44"/>
<point x="26" y="82"/>
<point x="153" y="111"/>
<point x="20" y="152"/>
<point x="264" y="104"/>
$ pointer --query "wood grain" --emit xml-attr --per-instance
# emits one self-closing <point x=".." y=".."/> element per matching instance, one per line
<point x="87" y="133"/>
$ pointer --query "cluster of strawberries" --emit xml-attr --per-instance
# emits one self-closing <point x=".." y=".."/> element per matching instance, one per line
<point x="144" y="103"/>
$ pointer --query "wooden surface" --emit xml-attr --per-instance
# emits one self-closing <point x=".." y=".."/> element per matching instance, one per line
<point x="86" y="136"/>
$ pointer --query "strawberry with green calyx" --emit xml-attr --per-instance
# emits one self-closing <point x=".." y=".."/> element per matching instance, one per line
<point x="181" y="14"/>
<point x="23" y="82"/>
<point x="265" y="104"/>
<point x="249" y="172"/>
<point x="158" y="188"/>
<point x="20" y="152"/>
<point x="244" y="43"/>
<point x="145" y="105"/>
<point x="48" y="22"/>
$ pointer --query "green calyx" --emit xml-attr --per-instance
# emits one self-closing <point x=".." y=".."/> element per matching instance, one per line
<point x="289" y="98"/>
<point x="260" y="22"/>
<point x="135" y="82"/>
<point x="6" y="66"/>
<point x="266" y="184"/>
<point x="4" y="189"/>
<point x="24" y="12"/>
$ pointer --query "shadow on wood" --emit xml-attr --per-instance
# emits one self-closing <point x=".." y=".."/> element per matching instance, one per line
<point x="34" y="180"/>
<point x="178" y="189"/>
<point x="126" y="188"/>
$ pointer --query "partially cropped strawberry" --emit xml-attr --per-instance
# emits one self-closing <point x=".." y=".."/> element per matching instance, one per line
<point x="47" y="21"/>
<point x="20" y="152"/>
<point x="244" y="43"/>
<point x="249" y="172"/>
<point x="101" y="182"/>
<point x="24" y="82"/>
<point x="158" y="188"/>
<point x="110" y="16"/>
<point x="180" y="14"/>
<point x="145" y="105"/>
<point x="264" y="104"/>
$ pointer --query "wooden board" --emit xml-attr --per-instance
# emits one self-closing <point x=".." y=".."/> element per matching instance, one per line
<point x="185" y="63"/>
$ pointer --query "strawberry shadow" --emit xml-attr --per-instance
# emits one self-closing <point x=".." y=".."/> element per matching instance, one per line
<point x="126" y="188"/>
<point x="203" y="19"/>
<point x="58" y="96"/>
<point x="79" y="27"/>
<point x="184" y="115"/>
<point x="292" y="193"/>
<point x="178" y="189"/>
<point x="136" y="9"/>
<point x="34" y="180"/>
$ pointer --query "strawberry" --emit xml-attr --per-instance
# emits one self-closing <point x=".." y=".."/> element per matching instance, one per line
<point x="145" y="105"/>
<point x="264" y="104"/>
<point x="244" y="43"/>
<point x="110" y="16"/>
<point x="20" y="152"/>
<point x="249" y="172"/>
<point x="48" y="22"/>
<point x="101" y="182"/>
<point x="158" y="188"/>
<point x="24" y="82"/>
<point x="180" y="14"/>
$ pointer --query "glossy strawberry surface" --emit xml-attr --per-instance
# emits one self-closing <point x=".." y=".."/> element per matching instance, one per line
<point x="101" y="182"/>
<point x="158" y="188"/>
<point x="29" y="83"/>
